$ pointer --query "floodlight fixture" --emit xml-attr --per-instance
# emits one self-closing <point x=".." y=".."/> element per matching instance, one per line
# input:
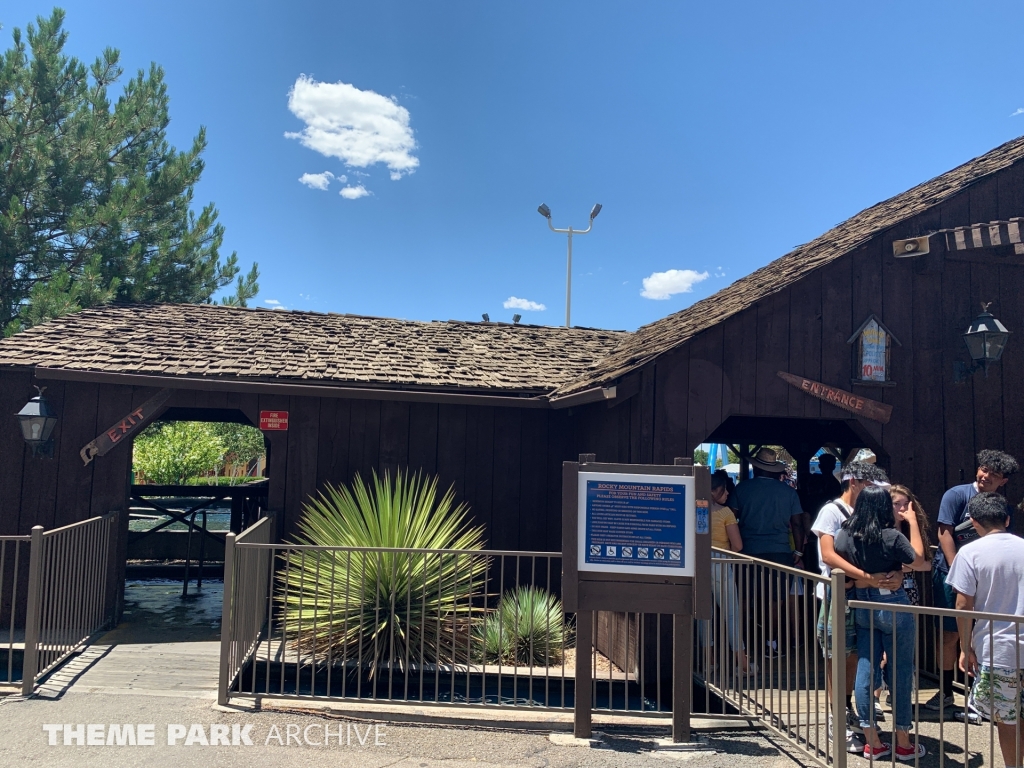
<point x="516" y="319"/>
<point x="486" y="317"/>
<point x="546" y="213"/>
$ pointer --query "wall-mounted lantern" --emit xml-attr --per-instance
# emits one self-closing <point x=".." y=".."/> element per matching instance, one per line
<point x="986" y="339"/>
<point x="37" y="421"/>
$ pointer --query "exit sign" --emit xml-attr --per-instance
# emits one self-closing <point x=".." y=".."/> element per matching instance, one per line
<point x="273" y="420"/>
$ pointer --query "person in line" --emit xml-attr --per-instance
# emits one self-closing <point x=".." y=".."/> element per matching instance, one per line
<point x="994" y="471"/>
<point x="871" y="541"/>
<point x="856" y="476"/>
<point x="725" y="534"/>
<point x="988" y="576"/>
<point x="766" y="509"/>
<point x="902" y="500"/>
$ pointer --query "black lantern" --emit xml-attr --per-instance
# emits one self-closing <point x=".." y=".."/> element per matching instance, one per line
<point x="37" y="421"/>
<point x="986" y="339"/>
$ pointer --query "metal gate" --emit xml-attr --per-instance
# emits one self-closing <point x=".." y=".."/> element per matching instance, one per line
<point x="69" y="597"/>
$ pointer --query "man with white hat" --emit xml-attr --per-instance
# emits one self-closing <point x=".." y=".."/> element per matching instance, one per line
<point x="766" y="511"/>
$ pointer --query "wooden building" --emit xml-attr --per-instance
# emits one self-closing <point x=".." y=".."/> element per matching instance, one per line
<point x="495" y="408"/>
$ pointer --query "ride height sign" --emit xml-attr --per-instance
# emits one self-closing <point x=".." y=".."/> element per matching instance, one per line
<point x="637" y="523"/>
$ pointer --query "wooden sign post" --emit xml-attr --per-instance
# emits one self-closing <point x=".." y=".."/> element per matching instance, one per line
<point x="635" y="539"/>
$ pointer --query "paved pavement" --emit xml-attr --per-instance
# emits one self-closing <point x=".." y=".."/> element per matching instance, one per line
<point x="26" y="741"/>
<point x="171" y="687"/>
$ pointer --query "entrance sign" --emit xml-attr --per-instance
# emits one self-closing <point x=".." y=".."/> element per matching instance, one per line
<point x="861" y="406"/>
<point x="635" y="523"/>
<point x="274" y="421"/>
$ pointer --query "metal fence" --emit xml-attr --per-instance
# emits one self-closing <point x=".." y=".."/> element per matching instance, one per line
<point x="758" y="657"/>
<point x="465" y="628"/>
<point x="452" y="627"/>
<point x="14" y="560"/>
<point x="785" y="685"/>
<point x="68" y="592"/>
<point x="247" y="571"/>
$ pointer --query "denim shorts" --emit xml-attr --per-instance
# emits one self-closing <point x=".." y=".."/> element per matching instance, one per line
<point x="824" y="629"/>
<point x="943" y="597"/>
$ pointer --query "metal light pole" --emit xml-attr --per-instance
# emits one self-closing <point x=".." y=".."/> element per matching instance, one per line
<point x="546" y="213"/>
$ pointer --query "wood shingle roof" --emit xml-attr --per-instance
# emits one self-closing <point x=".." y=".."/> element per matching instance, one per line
<point x="207" y="340"/>
<point x="650" y="341"/>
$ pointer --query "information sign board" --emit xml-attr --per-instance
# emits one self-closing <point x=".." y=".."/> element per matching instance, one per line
<point x="636" y="523"/>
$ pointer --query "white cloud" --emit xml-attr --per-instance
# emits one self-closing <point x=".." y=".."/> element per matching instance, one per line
<point x="360" y="128"/>
<point x="531" y="306"/>
<point x="354" y="193"/>
<point x="1020" y="111"/>
<point x="316" y="180"/>
<point x="661" y="285"/>
<point x="272" y="302"/>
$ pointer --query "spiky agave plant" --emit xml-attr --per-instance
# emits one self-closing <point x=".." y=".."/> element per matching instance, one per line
<point x="380" y="605"/>
<point x="527" y="628"/>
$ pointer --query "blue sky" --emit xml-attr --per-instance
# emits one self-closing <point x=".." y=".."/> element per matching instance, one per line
<point x="717" y="136"/>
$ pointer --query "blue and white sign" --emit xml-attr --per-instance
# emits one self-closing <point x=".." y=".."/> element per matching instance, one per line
<point x="636" y="523"/>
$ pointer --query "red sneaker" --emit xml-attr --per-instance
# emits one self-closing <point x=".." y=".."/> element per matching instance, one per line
<point x="876" y="753"/>
<point x="911" y="752"/>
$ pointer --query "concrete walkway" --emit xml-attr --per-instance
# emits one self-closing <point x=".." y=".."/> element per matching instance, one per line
<point x="288" y="738"/>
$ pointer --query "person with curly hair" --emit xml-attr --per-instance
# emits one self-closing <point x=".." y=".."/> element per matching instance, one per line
<point x="994" y="471"/>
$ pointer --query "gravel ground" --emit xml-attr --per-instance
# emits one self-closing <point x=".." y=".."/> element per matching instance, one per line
<point x="25" y="741"/>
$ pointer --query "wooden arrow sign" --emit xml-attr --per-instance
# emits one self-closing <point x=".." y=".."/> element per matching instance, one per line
<point x="861" y="406"/>
<point x="126" y="427"/>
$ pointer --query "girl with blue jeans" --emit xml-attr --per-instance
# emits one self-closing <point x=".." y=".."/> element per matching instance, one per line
<point x="870" y="540"/>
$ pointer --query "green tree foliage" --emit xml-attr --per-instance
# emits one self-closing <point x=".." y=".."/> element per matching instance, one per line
<point x="95" y="205"/>
<point x="172" y="453"/>
<point x="242" y="443"/>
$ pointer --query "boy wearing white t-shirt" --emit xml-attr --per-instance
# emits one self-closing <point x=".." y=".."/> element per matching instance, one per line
<point x="988" y="576"/>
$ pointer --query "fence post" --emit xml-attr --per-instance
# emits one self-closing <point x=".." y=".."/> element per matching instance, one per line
<point x="33" y="612"/>
<point x="226" y="619"/>
<point x="838" y="615"/>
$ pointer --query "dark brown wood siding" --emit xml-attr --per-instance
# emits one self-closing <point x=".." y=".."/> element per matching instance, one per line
<point x="937" y="425"/>
<point x="504" y="462"/>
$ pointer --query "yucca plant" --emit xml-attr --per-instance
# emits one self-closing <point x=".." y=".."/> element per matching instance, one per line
<point x="527" y="628"/>
<point x="382" y="606"/>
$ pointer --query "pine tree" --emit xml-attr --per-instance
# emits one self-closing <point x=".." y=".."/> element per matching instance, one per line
<point x="95" y="205"/>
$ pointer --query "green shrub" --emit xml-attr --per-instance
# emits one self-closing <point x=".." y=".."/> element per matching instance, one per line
<point x="168" y="453"/>
<point x="384" y="607"/>
<point x="527" y="628"/>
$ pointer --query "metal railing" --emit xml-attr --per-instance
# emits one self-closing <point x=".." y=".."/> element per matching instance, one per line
<point x="758" y="657"/>
<point x="247" y="571"/>
<point x="958" y="735"/>
<point x="445" y="627"/>
<point x="68" y="594"/>
<point x="14" y="560"/>
<point x="786" y="686"/>
<point x="465" y="628"/>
